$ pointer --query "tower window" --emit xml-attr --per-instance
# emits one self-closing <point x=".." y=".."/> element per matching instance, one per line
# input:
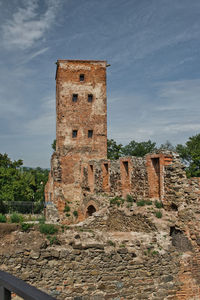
<point x="74" y="97"/>
<point x="74" y="133"/>
<point x="82" y="77"/>
<point x="90" y="133"/>
<point x="90" y="98"/>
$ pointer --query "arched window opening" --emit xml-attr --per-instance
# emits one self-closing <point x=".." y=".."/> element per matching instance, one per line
<point x="91" y="209"/>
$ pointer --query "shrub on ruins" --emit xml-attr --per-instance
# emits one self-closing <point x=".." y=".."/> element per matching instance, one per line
<point x="48" y="229"/>
<point x="190" y="154"/>
<point x="140" y="203"/>
<point x="67" y="208"/>
<point x="158" y="214"/>
<point x="117" y="201"/>
<point x="3" y="218"/>
<point x="16" y="218"/>
<point x="26" y="226"/>
<point x="130" y="199"/>
<point x="75" y="213"/>
<point x="158" y="204"/>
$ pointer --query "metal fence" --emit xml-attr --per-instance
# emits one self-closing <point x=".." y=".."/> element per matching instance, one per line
<point x="11" y="284"/>
<point x="25" y="207"/>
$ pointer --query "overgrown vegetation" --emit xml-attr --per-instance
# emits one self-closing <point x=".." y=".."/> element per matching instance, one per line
<point x="130" y="199"/>
<point x="158" y="204"/>
<point x="16" y="218"/>
<point x="48" y="229"/>
<point x="67" y="208"/>
<point x="117" y="201"/>
<point x="75" y="213"/>
<point x="3" y="218"/>
<point x="26" y="226"/>
<point x="158" y="214"/>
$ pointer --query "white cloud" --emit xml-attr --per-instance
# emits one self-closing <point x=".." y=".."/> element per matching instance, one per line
<point x="27" y="25"/>
<point x="44" y="124"/>
<point x="172" y="113"/>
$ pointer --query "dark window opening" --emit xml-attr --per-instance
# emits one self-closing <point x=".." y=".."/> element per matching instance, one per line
<point x="125" y="164"/>
<point x="90" y="98"/>
<point x="106" y="168"/>
<point x="74" y="97"/>
<point x="90" y="133"/>
<point x="74" y="133"/>
<point x="174" y="206"/>
<point x="82" y="77"/>
<point x="91" y="209"/>
<point x="156" y="165"/>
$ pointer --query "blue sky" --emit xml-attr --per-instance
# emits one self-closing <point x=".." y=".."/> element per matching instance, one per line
<point x="153" y="84"/>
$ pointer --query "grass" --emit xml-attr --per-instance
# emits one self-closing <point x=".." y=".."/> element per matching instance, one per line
<point x="48" y="229"/>
<point x="158" y="214"/>
<point x="117" y="201"/>
<point x="3" y="218"/>
<point x="158" y="204"/>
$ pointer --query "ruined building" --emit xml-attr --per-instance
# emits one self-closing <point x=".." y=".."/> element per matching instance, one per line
<point x="82" y="179"/>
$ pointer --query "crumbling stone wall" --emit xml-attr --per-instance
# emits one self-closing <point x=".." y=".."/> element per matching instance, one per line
<point x="81" y="175"/>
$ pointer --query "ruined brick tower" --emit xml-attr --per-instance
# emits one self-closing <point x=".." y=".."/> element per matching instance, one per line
<point x="81" y="130"/>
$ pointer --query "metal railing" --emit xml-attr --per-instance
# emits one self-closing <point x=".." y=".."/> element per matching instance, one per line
<point x="11" y="284"/>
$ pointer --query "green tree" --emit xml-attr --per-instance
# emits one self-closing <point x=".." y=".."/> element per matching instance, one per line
<point x="19" y="183"/>
<point x="190" y="154"/>
<point x="114" y="150"/>
<point x="138" y="149"/>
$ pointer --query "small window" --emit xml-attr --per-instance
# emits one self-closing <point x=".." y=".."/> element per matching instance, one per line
<point x="90" y="98"/>
<point x="74" y="97"/>
<point x="82" y="77"/>
<point x="90" y="133"/>
<point x="74" y="133"/>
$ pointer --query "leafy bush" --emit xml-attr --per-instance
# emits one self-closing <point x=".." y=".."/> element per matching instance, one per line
<point x="67" y="215"/>
<point x="130" y="199"/>
<point x="75" y="213"/>
<point x="48" y="228"/>
<point x="26" y="226"/>
<point x="67" y="208"/>
<point x="158" y="214"/>
<point x="140" y="203"/>
<point x="3" y="218"/>
<point x="158" y="204"/>
<point x="116" y="201"/>
<point x="16" y="218"/>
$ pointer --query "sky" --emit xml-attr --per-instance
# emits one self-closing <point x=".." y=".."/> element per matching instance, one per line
<point x="153" y="83"/>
